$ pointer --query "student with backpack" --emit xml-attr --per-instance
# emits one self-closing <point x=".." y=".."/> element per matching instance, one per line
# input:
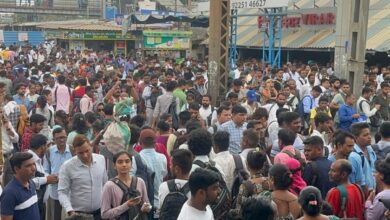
<point x="203" y="184"/>
<point x="175" y="192"/>
<point x="346" y="199"/>
<point x="382" y="148"/>
<point x="124" y="197"/>
<point x="287" y="150"/>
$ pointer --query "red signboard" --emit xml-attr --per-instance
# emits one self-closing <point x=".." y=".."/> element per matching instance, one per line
<point x="313" y="19"/>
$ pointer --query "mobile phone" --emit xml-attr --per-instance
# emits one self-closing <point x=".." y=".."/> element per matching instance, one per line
<point x="136" y="198"/>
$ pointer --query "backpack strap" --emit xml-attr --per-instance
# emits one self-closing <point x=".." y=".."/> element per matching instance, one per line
<point x="343" y="200"/>
<point x="134" y="182"/>
<point x="249" y="187"/>
<point x="314" y="169"/>
<point x="201" y="164"/>
<point x="122" y="186"/>
<point x="361" y="157"/>
<point x="139" y="163"/>
<point x="238" y="163"/>
<point x="172" y="186"/>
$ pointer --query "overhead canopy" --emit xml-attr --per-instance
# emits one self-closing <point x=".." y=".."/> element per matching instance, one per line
<point x="196" y="21"/>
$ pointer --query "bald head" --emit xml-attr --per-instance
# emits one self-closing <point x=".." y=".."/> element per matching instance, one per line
<point x="340" y="171"/>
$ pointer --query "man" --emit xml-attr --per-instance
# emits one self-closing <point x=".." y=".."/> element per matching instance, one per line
<point x="286" y="140"/>
<point x="347" y="113"/>
<point x="316" y="171"/>
<point x="323" y="107"/>
<point x="302" y="80"/>
<point x="237" y="88"/>
<point x="19" y="199"/>
<point x="383" y="100"/>
<point x="179" y="93"/>
<point x="292" y="99"/>
<point x="224" y="114"/>
<point x="55" y="157"/>
<point x="155" y="161"/>
<point x="200" y="85"/>
<point x="339" y="99"/>
<point x="204" y="187"/>
<point x="352" y="204"/>
<point x="81" y="180"/>
<point x="20" y="97"/>
<point x="224" y="159"/>
<point x="6" y="81"/>
<point x="235" y="127"/>
<point x="37" y="122"/>
<point x="251" y="103"/>
<point x="192" y="91"/>
<point x="308" y="103"/>
<point x="86" y="102"/>
<point x="363" y="155"/>
<point x="181" y="167"/>
<point x="206" y="110"/>
<point x="382" y="148"/>
<point x="306" y="89"/>
<point x="324" y="126"/>
<point x="150" y="91"/>
<point x="281" y="100"/>
<point x="8" y="138"/>
<point x="165" y="101"/>
<point x="38" y="145"/>
<point x="363" y="104"/>
<point x="63" y="96"/>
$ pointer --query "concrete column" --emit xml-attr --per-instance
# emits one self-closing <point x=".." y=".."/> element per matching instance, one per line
<point x="351" y="36"/>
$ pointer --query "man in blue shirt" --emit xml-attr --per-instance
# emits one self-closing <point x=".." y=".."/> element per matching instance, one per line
<point x="19" y="200"/>
<point x="236" y="127"/>
<point x="309" y="102"/>
<point x="20" y="97"/>
<point x="347" y="113"/>
<point x="363" y="152"/>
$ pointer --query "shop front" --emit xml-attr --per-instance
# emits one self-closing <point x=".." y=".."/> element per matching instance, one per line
<point x="167" y="44"/>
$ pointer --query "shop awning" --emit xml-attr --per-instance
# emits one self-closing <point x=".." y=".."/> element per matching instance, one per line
<point x="196" y="21"/>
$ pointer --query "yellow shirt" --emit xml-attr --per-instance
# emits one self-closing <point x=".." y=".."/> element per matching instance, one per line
<point x="313" y="114"/>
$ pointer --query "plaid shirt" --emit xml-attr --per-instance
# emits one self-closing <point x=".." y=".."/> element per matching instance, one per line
<point x="13" y="117"/>
<point x="235" y="135"/>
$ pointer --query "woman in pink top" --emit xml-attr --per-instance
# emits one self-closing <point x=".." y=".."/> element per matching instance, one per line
<point x="116" y="205"/>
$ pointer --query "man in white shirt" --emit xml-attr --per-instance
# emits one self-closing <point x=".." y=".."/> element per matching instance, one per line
<point x="323" y="126"/>
<point x="86" y="103"/>
<point x="302" y="79"/>
<point x="363" y="104"/>
<point x="38" y="146"/>
<point x="281" y="101"/>
<point x="306" y="89"/>
<point x="206" y="110"/>
<point x="204" y="187"/>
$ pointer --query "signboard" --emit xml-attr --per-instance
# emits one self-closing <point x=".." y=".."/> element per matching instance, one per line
<point x="119" y="19"/>
<point x="53" y="34"/>
<point x="166" y="42"/>
<point x="237" y="4"/>
<point x="22" y="36"/>
<point x="88" y="35"/>
<point x="147" y="5"/>
<point x="1" y="36"/>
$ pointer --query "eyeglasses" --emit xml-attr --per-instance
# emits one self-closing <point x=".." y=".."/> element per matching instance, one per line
<point x="100" y="110"/>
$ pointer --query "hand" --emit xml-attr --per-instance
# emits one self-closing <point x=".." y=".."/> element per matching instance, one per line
<point x="146" y="207"/>
<point x="134" y="201"/>
<point x="52" y="179"/>
<point x="377" y="106"/>
<point x="71" y="213"/>
<point x="371" y="196"/>
<point x="387" y="214"/>
<point x="117" y="84"/>
<point x="355" y="115"/>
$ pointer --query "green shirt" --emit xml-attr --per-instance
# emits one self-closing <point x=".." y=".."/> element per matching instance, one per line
<point x="179" y="93"/>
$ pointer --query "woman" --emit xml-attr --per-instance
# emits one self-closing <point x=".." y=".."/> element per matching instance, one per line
<point x="62" y="119"/>
<point x="298" y="183"/>
<point x="42" y="108"/>
<point x="163" y="131"/>
<point x="311" y="202"/>
<point x="116" y="205"/>
<point x="257" y="184"/>
<point x="286" y="202"/>
<point x="374" y="208"/>
<point x="79" y="126"/>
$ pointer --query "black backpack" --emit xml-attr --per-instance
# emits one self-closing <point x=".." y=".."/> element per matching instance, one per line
<point x="172" y="112"/>
<point x="174" y="201"/>
<point x="381" y="154"/>
<point x="240" y="175"/>
<point x="145" y="173"/>
<point x="210" y="116"/>
<point x="296" y="156"/>
<point x="129" y="193"/>
<point x="375" y="120"/>
<point x="222" y="205"/>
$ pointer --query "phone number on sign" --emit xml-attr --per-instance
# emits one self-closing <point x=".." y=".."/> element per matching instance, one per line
<point x="248" y="4"/>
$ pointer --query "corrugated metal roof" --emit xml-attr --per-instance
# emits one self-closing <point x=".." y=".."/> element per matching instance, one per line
<point x="378" y="34"/>
<point x="82" y="25"/>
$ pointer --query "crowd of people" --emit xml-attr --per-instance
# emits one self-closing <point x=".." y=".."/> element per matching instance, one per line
<point x="93" y="135"/>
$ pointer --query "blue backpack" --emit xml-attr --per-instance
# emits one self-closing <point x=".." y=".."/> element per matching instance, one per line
<point x="300" y="109"/>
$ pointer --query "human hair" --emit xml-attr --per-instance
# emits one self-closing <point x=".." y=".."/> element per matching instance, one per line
<point x="183" y="159"/>
<point x="326" y="208"/>
<point x="18" y="158"/>
<point x="232" y="95"/>
<point x="323" y="99"/>
<point x="251" y="137"/>
<point x="345" y="166"/>
<point x="256" y="159"/>
<point x="79" y="123"/>
<point x="207" y="95"/>
<point x="137" y="120"/>
<point x="323" y="80"/>
<point x="257" y="208"/>
<point x="260" y="113"/>
<point x="120" y="153"/>
<point x="181" y="82"/>
<point x="238" y="109"/>
<point x="366" y="89"/>
<point x="135" y="133"/>
<point x="201" y="179"/>
<point x="252" y="123"/>
<point x="42" y="101"/>
<point x="286" y="136"/>
<point x="194" y="106"/>
<point x="280" y="116"/>
<point x="37" y="118"/>
<point x="290" y="117"/>
<point x="310" y="200"/>
<point x="171" y="85"/>
<point x="58" y="130"/>
<point x="184" y="117"/>
<point x="321" y="117"/>
<point x="314" y="141"/>
<point x="37" y="141"/>
<point x="222" y="108"/>
<point x="88" y="89"/>
<point x="79" y="140"/>
<point x="192" y="125"/>
<point x="163" y="126"/>
<point x="340" y="136"/>
<point x="45" y="92"/>
<point x="61" y="79"/>
<point x="98" y="125"/>
<point x="221" y="140"/>
<point x="18" y="86"/>
<point x="384" y="84"/>
<point x="383" y="167"/>
<point x="384" y="129"/>
<point x="91" y="117"/>
<point x="200" y="142"/>
<point x="237" y="82"/>
<point x="357" y="128"/>
<point x="281" y="176"/>
<point x="108" y="109"/>
<point x="317" y="89"/>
